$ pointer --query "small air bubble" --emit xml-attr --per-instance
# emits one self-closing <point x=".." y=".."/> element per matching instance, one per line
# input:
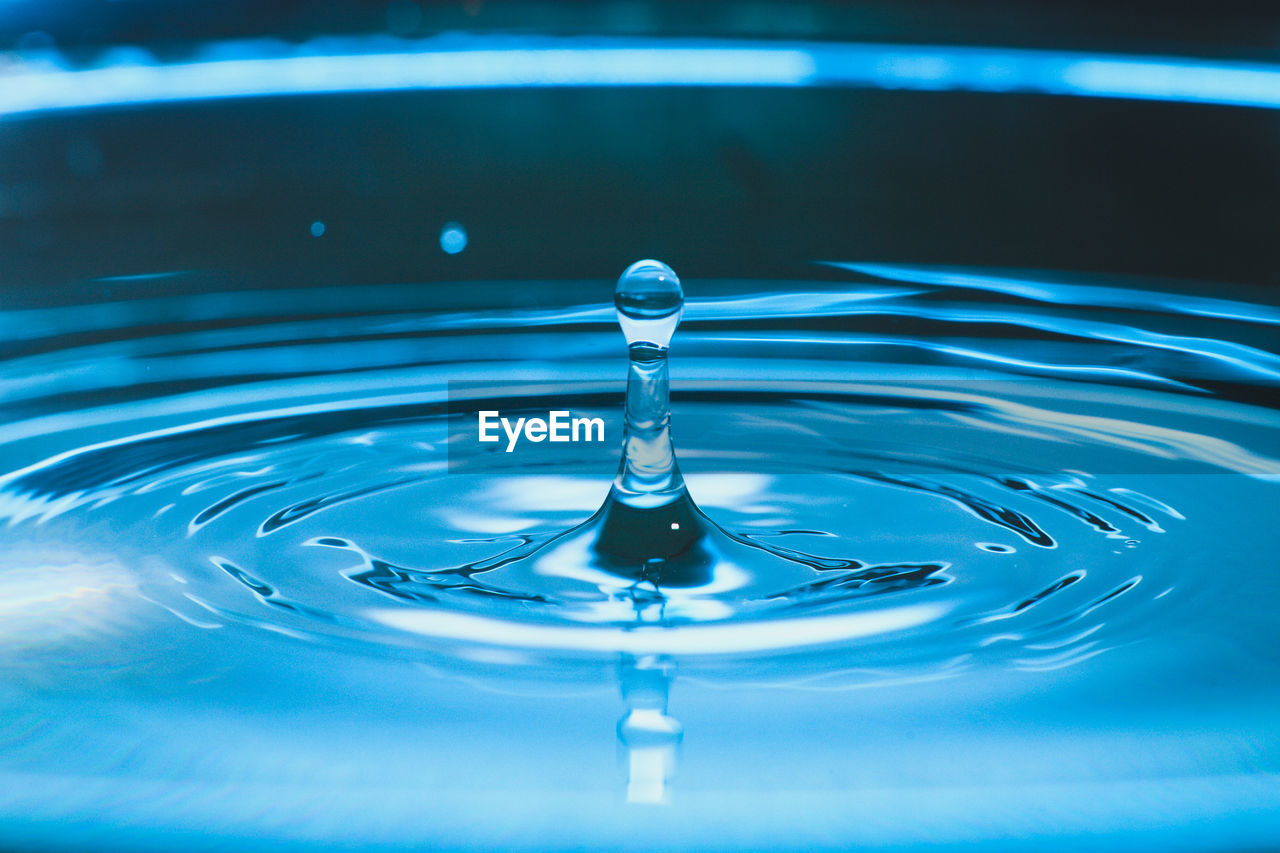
<point x="453" y="238"/>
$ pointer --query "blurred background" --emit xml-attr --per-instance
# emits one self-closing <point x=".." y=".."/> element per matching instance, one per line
<point x="111" y="169"/>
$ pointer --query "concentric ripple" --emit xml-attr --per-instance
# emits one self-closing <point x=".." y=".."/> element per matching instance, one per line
<point x="965" y="503"/>
<point x="982" y="543"/>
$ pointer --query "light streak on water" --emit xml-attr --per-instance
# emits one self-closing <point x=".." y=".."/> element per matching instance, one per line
<point x="252" y="69"/>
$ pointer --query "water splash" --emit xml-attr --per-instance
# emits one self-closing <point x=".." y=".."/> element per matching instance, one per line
<point x="649" y="545"/>
<point x="181" y="530"/>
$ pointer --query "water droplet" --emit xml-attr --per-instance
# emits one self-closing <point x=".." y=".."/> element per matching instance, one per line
<point x="453" y="238"/>
<point x="650" y="301"/>
<point x="317" y="228"/>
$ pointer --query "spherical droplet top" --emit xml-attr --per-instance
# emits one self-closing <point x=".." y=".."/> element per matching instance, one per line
<point x="650" y="301"/>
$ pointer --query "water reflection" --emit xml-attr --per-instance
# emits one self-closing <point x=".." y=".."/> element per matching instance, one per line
<point x="649" y="737"/>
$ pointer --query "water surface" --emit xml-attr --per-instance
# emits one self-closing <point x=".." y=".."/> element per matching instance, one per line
<point x="1018" y="537"/>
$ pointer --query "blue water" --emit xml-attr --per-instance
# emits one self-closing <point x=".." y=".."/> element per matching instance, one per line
<point x="990" y="566"/>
